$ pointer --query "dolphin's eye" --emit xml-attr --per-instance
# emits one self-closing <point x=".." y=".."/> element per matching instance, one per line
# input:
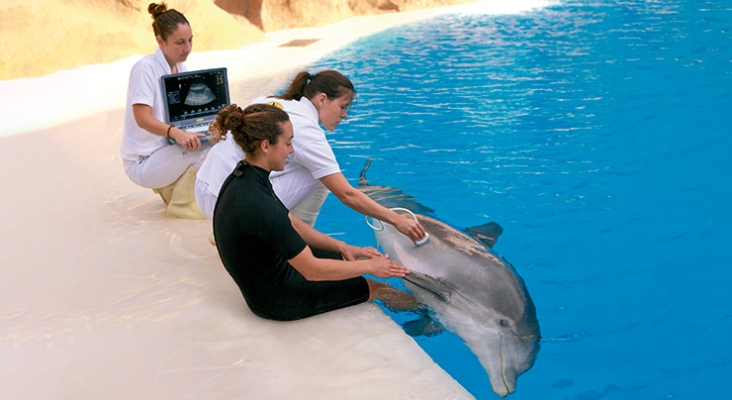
<point x="504" y="323"/>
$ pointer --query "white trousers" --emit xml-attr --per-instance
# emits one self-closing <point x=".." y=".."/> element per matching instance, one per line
<point x="165" y="165"/>
<point x="308" y="209"/>
<point x="294" y="186"/>
<point x="205" y="200"/>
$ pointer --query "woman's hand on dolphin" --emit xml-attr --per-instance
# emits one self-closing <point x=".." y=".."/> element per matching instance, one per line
<point x="385" y="268"/>
<point x="351" y="253"/>
<point x="409" y="227"/>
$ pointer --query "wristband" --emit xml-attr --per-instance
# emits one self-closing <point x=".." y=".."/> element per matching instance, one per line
<point x="167" y="133"/>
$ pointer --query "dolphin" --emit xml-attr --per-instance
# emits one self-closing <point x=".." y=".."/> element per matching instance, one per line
<point x="470" y="289"/>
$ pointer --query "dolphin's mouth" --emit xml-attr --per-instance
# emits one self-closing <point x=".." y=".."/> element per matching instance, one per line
<point x="527" y="337"/>
<point x="507" y="388"/>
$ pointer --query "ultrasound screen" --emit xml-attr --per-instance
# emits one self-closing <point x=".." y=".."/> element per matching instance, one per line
<point x="196" y="93"/>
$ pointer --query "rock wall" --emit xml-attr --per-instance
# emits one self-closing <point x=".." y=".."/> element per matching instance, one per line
<point x="275" y="15"/>
<point x="38" y="37"/>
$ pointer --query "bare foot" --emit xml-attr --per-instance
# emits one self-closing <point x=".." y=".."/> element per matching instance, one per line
<point x="392" y="297"/>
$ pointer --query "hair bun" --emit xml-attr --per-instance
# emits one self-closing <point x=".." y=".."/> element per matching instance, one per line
<point x="156" y="9"/>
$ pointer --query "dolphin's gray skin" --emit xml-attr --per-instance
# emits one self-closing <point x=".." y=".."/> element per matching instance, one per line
<point x="473" y="291"/>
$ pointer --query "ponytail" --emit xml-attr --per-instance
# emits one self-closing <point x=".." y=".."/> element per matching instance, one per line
<point x="332" y="83"/>
<point x="252" y="125"/>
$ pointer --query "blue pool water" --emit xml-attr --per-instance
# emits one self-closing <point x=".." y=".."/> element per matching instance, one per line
<point x="597" y="133"/>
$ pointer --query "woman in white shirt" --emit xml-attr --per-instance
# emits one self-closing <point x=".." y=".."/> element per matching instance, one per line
<point x="149" y="159"/>
<point x="312" y="170"/>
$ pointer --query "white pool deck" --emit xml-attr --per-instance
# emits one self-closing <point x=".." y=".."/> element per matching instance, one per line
<point x="104" y="297"/>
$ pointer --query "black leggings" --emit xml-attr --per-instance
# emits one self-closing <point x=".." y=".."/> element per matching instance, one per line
<point x="302" y="298"/>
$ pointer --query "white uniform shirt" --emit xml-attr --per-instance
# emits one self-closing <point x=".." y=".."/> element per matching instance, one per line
<point x="144" y="88"/>
<point x="220" y="161"/>
<point x="311" y="160"/>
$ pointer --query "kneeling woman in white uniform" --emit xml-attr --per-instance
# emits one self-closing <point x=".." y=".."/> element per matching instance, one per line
<point x="285" y="269"/>
<point x="312" y="170"/>
<point x="149" y="159"/>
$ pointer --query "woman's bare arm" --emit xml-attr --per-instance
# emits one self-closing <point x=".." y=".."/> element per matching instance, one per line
<point x="358" y="201"/>
<point x="146" y="120"/>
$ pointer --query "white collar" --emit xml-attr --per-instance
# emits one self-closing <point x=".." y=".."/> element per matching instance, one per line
<point x="160" y="58"/>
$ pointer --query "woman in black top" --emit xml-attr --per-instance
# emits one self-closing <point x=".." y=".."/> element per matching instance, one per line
<point x="268" y="252"/>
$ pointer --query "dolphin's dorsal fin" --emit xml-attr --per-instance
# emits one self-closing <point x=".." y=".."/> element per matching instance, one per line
<point x="429" y="283"/>
<point x="389" y="197"/>
<point x="487" y="233"/>
<point x="362" y="181"/>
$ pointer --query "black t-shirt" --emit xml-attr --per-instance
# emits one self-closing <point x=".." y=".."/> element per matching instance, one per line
<point x="255" y="238"/>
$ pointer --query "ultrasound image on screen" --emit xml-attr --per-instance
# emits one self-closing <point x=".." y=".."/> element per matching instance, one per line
<point x="196" y="94"/>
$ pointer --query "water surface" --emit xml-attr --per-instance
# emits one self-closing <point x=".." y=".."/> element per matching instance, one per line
<point x="597" y="134"/>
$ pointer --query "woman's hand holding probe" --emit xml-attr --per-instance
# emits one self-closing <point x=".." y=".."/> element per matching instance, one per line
<point x="409" y="227"/>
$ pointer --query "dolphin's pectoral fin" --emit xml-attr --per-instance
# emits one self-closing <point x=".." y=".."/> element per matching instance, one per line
<point x="423" y="326"/>
<point x="429" y="283"/>
<point x="487" y="233"/>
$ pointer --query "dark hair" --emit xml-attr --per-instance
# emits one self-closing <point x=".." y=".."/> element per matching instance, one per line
<point x="252" y="125"/>
<point x="165" y="21"/>
<point x="332" y="83"/>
